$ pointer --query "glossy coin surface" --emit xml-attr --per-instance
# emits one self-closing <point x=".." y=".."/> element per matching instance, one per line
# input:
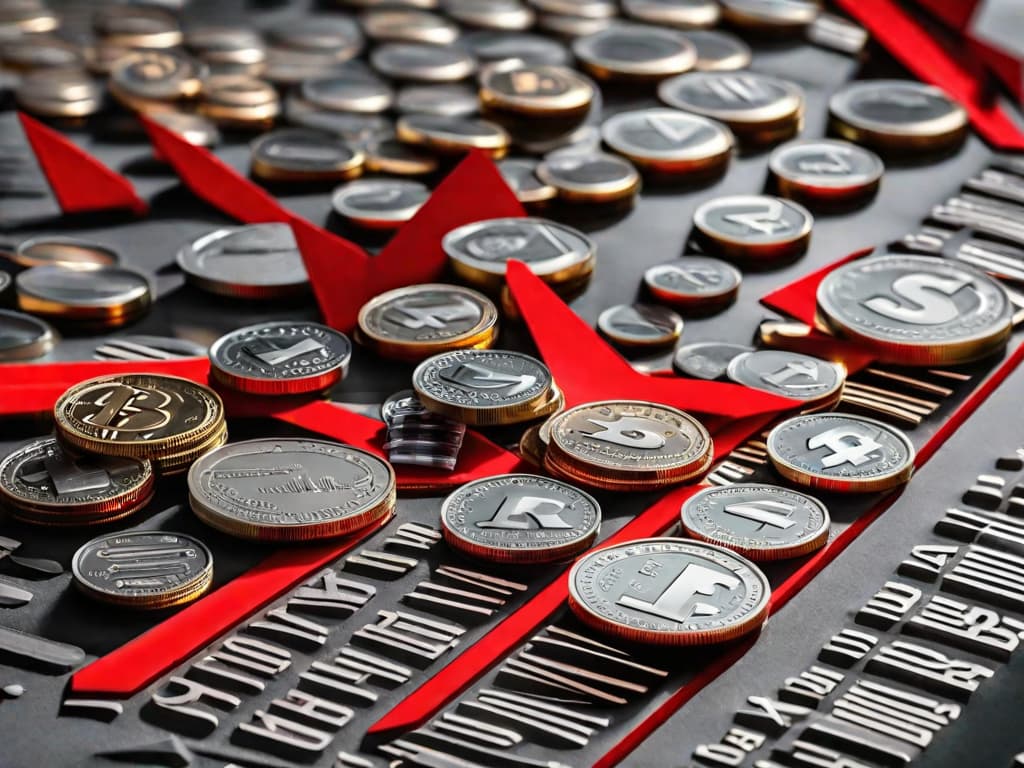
<point x="520" y="519"/>
<point x="685" y="14"/>
<point x="453" y="135"/>
<point x="59" y="93"/>
<point x="694" y="283"/>
<point x="379" y="203"/>
<point x="838" y="452"/>
<point x="288" y="357"/>
<point x="348" y="93"/>
<point x="587" y="9"/>
<point x="670" y="592"/>
<point x="752" y="227"/>
<point x="589" y="177"/>
<point x="744" y="101"/>
<point x="254" y="261"/>
<point x="521" y="177"/>
<point x="789" y="374"/>
<point x="515" y="48"/>
<point x="23" y="337"/>
<point x="669" y="140"/>
<point x="290" y="489"/>
<point x="824" y="170"/>
<point x="105" y="293"/>
<point x="157" y="75"/>
<point x="761" y="522"/>
<point x="409" y="25"/>
<point x="708" y="360"/>
<point x="329" y="34"/>
<point x="719" y="51"/>
<point x="422" y="62"/>
<point x="917" y="310"/>
<point x="449" y="99"/>
<point x="357" y="129"/>
<point x="239" y="101"/>
<point x="31" y="52"/>
<point x="227" y="46"/>
<point x="143" y="569"/>
<point x="68" y="252"/>
<point x="779" y="15"/>
<point x="538" y="89"/>
<point x="391" y="156"/>
<point x="640" y="325"/>
<point x="635" y="52"/>
<point x="298" y="154"/>
<point x="509" y="15"/>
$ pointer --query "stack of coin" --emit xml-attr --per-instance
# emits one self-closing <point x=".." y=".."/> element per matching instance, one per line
<point x="487" y="387"/>
<point x="44" y="484"/>
<point x="627" y="445"/>
<point x="143" y="569"/>
<point x="291" y="490"/>
<point x="420" y="437"/>
<point x="535" y="101"/>
<point x="165" y="419"/>
<point x="419" y="321"/>
<point x="85" y="299"/>
<point x="59" y="93"/>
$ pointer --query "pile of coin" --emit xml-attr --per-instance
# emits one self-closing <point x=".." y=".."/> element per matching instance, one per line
<point x="420" y="437"/>
<point x="92" y="299"/>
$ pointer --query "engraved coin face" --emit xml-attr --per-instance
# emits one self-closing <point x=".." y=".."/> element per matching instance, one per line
<point x="708" y="360"/>
<point x="633" y="51"/>
<point x="839" y="452"/>
<point x="685" y="14"/>
<point x="423" y="62"/>
<point x="917" y="310"/>
<point x="299" y="154"/>
<point x="521" y="519"/>
<point x="290" y="489"/>
<point x="143" y="569"/>
<point x="515" y="48"/>
<point x="481" y="380"/>
<point x="23" y="337"/>
<point x="789" y="374"/>
<point x="762" y="522"/>
<point x="753" y="226"/>
<point x="719" y="51"/>
<point x="640" y="325"/>
<point x="288" y="357"/>
<point x="379" y="203"/>
<point x="824" y="168"/>
<point x="671" y="592"/>
<point x="738" y="99"/>
<point x="660" y="136"/>
<point x="694" y="282"/>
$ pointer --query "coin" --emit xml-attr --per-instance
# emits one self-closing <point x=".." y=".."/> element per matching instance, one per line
<point x="287" y="66"/>
<point x="916" y="310"/>
<point x="422" y="62"/>
<point x="257" y="261"/>
<point x="30" y="52"/>
<point x="687" y="14"/>
<point x="719" y="51"/>
<point x="134" y="26"/>
<point x="502" y="15"/>
<point x="67" y="252"/>
<point x="392" y="157"/>
<point x="23" y="337"/>
<point x="753" y="228"/>
<point x="230" y="49"/>
<point x="817" y="383"/>
<point x="781" y="17"/>
<point x="639" y="326"/>
<point x="708" y="360"/>
<point x="513" y="48"/>
<point x="670" y="592"/>
<point x="59" y="93"/>
<point x="590" y="178"/>
<point x="290" y="490"/>
<point x="409" y="25"/>
<point x="101" y="57"/>
<point x="898" y="115"/>
<point x="449" y="99"/>
<point x="839" y="452"/>
<point x="696" y="285"/>
<point x="109" y="296"/>
<point x="521" y="176"/>
<point x="27" y="16"/>
<point x="319" y="33"/>
<point x="299" y="154"/>
<point x="239" y="101"/>
<point x="357" y="129"/>
<point x="481" y="387"/>
<point x="453" y="135"/>
<point x="479" y="252"/>
<point x="633" y="52"/>
<point x="281" y="358"/>
<point x="348" y="93"/>
<point x="195" y="129"/>
<point x="668" y="142"/>
<point x="148" y="76"/>
<point x="587" y="9"/>
<point x="423" y="320"/>
<point x="825" y="171"/>
<point x="143" y="569"/>
<point x="524" y="92"/>
<point x="379" y="203"/>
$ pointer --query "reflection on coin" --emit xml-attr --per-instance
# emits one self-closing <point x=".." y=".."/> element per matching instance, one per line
<point x="319" y="33"/>
<point x="67" y="252"/>
<point x="916" y="310"/>
<point x="110" y="296"/>
<point x="290" y="489"/>
<point x="135" y="26"/>
<point x="508" y="15"/>
<point x="409" y="25"/>
<point x="537" y="90"/>
<point x="708" y="360"/>
<point x="753" y="228"/>
<point x="507" y="48"/>
<point x="670" y="592"/>
<point x="670" y="142"/>
<point x="392" y="157"/>
<point x="825" y="171"/>
<point x="590" y="177"/>
<point x="634" y="52"/>
<point x="640" y="325"/>
<point x="453" y="135"/>
<point x="587" y="9"/>
<point x="155" y="76"/>
<point x="521" y="177"/>
<point x="195" y="129"/>
<point x="898" y="115"/>
<point x="60" y="93"/>
<point x="520" y="519"/>
<point x="772" y="17"/>
<point x="140" y="569"/>
<point x="686" y="14"/>
<point x="762" y="522"/>
<point x="299" y="154"/>
<point x="281" y="358"/>
<point x="255" y="261"/>
<point x="719" y="51"/>
<point x="839" y="452"/>
<point x="231" y="48"/>
<point x="422" y="62"/>
<point x="451" y="99"/>
<point x="697" y="285"/>
<point x="817" y="383"/>
<point x="379" y="203"/>
<point x="348" y="93"/>
<point x="23" y="337"/>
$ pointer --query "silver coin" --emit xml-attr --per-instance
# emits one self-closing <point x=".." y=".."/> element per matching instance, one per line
<point x="589" y="177"/>
<point x="762" y="522"/>
<point x="390" y="156"/>
<point x="824" y="168"/>
<point x="137" y="26"/>
<point x="666" y="591"/>
<point x="329" y="34"/>
<point x="228" y="47"/>
<point x="23" y="337"/>
<point x="753" y="226"/>
<point x="741" y="100"/>
<point x="523" y="519"/>
<point x="427" y="314"/>
<point x="639" y="325"/>
<point x="290" y="489"/>
<point x="59" y="93"/>
<point x="587" y="9"/>
<point x="667" y="139"/>
<point x="76" y="292"/>
<point x="631" y="51"/>
<point x="286" y="66"/>
<point x="453" y="100"/>
<point x="481" y="379"/>
<point x="453" y="135"/>
<point x="157" y="75"/>
<point x="69" y="252"/>
<point x="719" y="51"/>
<point x="512" y="48"/>
<point x="694" y="282"/>
<point x="30" y="52"/>
<point x="789" y="374"/>
<point x="195" y="129"/>
<point x="257" y="260"/>
<point x="505" y="15"/>
<point x="422" y="62"/>
<point x="686" y="14"/>
<point x="379" y="202"/>
<point x="348" y="93"/>
<point x="766" y="15"/>
<point x="301" y="154"/>
<point x="572" y="26"/>
<point x="708" y="360"/>
<point x="521" y="177"/>
<point x="354" y="128"/>
<point x="409" y="25"/>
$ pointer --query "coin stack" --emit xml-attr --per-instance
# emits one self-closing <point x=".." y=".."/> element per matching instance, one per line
<point x="92" y="299"/>
<point x="418" y="437"/>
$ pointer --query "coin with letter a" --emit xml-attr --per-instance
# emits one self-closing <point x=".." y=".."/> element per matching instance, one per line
<point x="520" y="519"/>
<point x="670" y="142"/>
<point x="669" y="592"/>
<point x="840" y="452"/>
<point x="759" y="521"/>
<point x="818" y="383"/>
<point x="753" y="228"/>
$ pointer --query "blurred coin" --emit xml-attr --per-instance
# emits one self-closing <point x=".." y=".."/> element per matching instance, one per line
<point x="348" y="93"/>
<point x="590" y="178"/>
<point x="694" y="284"/>
<point x="239" y="101"/>
<point x="817" y="383"/>
<point x="669" y="142"/>
<point x="101" y="57"/>
<point x="32" y="16"/>
<point x="156" y="76"/>
<point x="635" y="52"/>
<point x="25" y="54"/>
<point x="753" y="228"/>
<point x="286" y="66"/>
<point x="521" y="177"/>
<point x="408" y="25"/>
<point x="195" y="129"/>
<point x="511" y="15"/>
<point x="452" y="100"/>
<point x="536" y="91"/>
<point x="516" y="48"/>
<point x="23" y="337"/>
<point x="228" y="47"/>
<point x="54" y="92"/>
<point x="718" y="50"/>
<point x="686" y="14"/>
<point x="588" y="9"/>
<point x="392" y="157"/>
<point x="299" y="154"/>
<point x="708" y="360"/>
<point x="354" y="128"/>
<point x="136" y="26"/>
<point x="825" y="171"/>
<point x="379" y="203"/>
<point x="319" y="33"/>
<point x="68" y="252"/>
<point x="571" y="26"/>
<point x="107" y="295"/>
<point x="422" y="63"/>
<point x="771" y="16"/>
<point x="640" y="325"/>
<point x="453" y="135"/>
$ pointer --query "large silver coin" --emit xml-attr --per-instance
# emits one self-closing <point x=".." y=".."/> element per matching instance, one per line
<point x="762" y="522"/>
<point x="839" y="452"/>
<point x="753" y="228"/>
<point x="521" y="519"/>
<point x="379" y="203"/>
<point x="290" y="489"/>
<point x="23" y="337"/>
<point x="825" y="170"/>
<point x="789" y="374"/>
<point x="917" y="310"/>
<point x="671" y="592"/>
<point x="669" y="141"/>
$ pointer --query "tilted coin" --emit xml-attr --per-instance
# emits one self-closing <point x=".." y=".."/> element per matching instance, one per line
<point x="503" y="15"/>
<point x="633" y="52"/>
<point x="450" y="99"/>
<point x="195" y="129"/>
<point x="155" y="76"/>
<point x="898" y="115"/>
<point x="515" y="48"/>
<point x="818" y="383"/>
<point x="695" y="285"/>
<point x="355" y="128"/>
<point x="68" y="252"/>
<point x="640" y="325"/>
<point x="281" y="358"/>
<point x="719" y="51"/>
<point x="422" y="320"/>
<point x="31" y="52"/>
<point x="535" y="91"/>
<point x="232" y="48"/>
<point x="762" y="522"/>
<point x="753" y="228"/>
<point x="587" y="9"/>
<point x="409" y="25"/>
<point x="107" y="295"/>
<point x="392" y="157"/>
<point x="135" y="26"/>
<point x="670" y="592"/>
<point x="60" y="93"/>
<point x="257" y="261"/>
<point x="520" y="519"/>
<point x="319" y="33"/>
<point x="916" y="310"/>
<point x="23" y="337"/>
<point x="669" y="142"/>
<point x="521" y="177"/>
<point x="379" y="203"/>
<point x="686" y="14"/>
<point x="772" y="17"/>
<point x="239" y="101"/>
<point x="348" y="93"/>
<point x="422" y="62"/>
<point x="290" y="489"/>
<point x="708" y="360"/>
<point x="453" y="135"/>
<point x="479" y="252"/>
<point x="594" y="178"/>
<point x="825" y="171"/>
<point x="143" y="569"/>
<point x="839" y="452"/>
<point x="299" y="154"/>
